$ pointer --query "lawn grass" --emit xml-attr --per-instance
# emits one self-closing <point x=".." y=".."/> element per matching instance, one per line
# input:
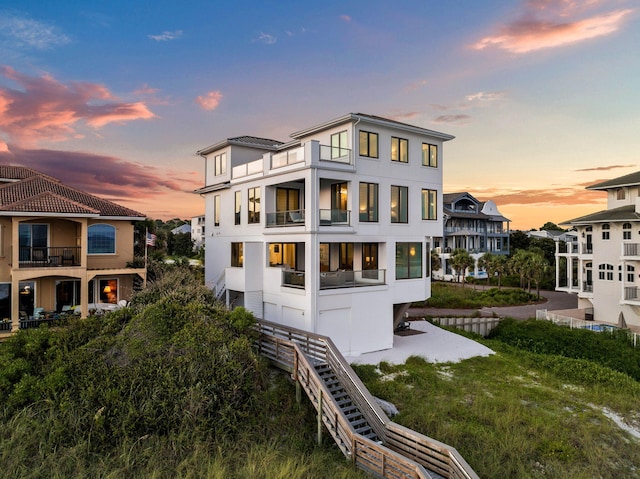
<point x="517" y="414"/>
<point x="445" y="295"/>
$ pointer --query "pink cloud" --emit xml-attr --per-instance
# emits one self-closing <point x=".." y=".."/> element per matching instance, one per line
<point x="560" y="27"/>
<point x="452" y="119"/>
<point x="209" y="101"/>
<point x="345" y="18"/>
<point x="558" y="196"/>
<point x="46" y="109"/>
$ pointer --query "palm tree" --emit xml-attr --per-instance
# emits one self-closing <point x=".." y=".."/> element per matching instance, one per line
<point x="488" y="262"/>
<point x="460" y="261"/>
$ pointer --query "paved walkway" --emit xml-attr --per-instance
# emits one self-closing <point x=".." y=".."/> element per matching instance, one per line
<point x="553" y="301"/>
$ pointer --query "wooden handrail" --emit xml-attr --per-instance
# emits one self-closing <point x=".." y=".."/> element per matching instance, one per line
<point x="404" y="452"/>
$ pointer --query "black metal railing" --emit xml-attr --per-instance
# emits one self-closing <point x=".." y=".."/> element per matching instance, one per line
<point x="45" y="257"/>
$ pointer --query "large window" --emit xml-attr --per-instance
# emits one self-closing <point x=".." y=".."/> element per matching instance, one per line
<point x="220" y="164"/>
<point x="408" y="260"/>
<point x="369" y="144"/>
<point x="283" y="254"/>
<point x="237" y="207"/>
<point x="108" y="291"/>
<point x="370" y="260"/>
<point x="429" y="204"/>
<point x="339" y="146"/>
<point x="101" y="239"/>
<point x="34" y="239"/>
<point x="237" y="255"/>
<point x="368" y="202"/>
<point x="216" y="210"/>
<point x="254" y="205"/>
<point x="345" y="258"/>
<point x="399" y="149"/>
<point x="429" y="155"/>
<point x="399" y="204"/>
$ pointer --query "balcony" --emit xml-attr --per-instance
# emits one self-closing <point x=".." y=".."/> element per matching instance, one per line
<point x="587" y="287"/>
<point x="293" y="279"/>
<point x="285" y="218"/>
<point x="50" y="257"/>
<point x="631" y="249"/>
<point x="631" y="293"/>
<point x="289" y="157"/>
<point x="334" y="217"/>
<point x="335" y="154"/>
<point x="352" y="279"/>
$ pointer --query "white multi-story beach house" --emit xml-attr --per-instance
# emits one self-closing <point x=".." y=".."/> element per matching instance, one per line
<point x="602" y="264"/>
<point x="329" y="232"/>
<point x="475" y="226"/>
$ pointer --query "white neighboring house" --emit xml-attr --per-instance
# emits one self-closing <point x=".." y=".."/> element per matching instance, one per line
<point x="602" y="263"/>
<point x="475" y="226"/>
<point x="198" y="231"/>
<point x="329" y="232"/>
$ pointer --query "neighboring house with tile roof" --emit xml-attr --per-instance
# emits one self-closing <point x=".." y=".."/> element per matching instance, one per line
<point x="329" y="232"/>
<point x="602" y="263"/>
<point x="61" y="249"/>
<point x="475" y="226"/>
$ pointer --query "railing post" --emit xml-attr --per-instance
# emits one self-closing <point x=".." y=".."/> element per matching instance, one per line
<point x="319" y="437"/>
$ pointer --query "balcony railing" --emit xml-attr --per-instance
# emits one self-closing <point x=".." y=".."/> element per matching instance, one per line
<point x="293" y="279"/>
<point x="49" y="257"/>
<point x="286" y="218"/>
<point x="587" y="248"/>
<point x="587" y="287"/>
<point x="247" y="169"/>
<point x="631" y="293"/>
<point x="352" y="279"/>
<point x="288" y="157"/>
<point x="335" y="217"/>
<point x="336" y="154"/>
<point x="631" y="249"/>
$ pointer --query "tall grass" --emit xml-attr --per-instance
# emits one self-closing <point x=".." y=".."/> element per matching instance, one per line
<point x="445" y="295"/>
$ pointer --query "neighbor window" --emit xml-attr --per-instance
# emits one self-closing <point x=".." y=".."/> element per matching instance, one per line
<point x="605" y="231"/>
<point x="237" y="255"/>
<point x="216" y="210"/>
<point x="369" y="144"/>
<point x="339" y="145"/>
<point x="254" y="205"/>
<point x="605" y="272"/>
<point x="101" y="239"/>
<point x="429" y="155"/>
<point x="220" y="164"/>
<point x="620" y="194"/>
<point x="368" y="202"/>
<point x="631" y="273"/>
<point x="399" y="150"/>
<point x="399" y="204"/>
<point x="429" y="204"/>
<point x="626" y="231"/>
<point x="408" y="260"/>
<point x="238" y="207"/>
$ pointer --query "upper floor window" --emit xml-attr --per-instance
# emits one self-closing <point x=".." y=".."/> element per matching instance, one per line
<point x="339" y="146"/>
<point x="605" y="231"/>
<point x="254" y="205"/>
<point x="368" y="207"/>
<point x="605" y="272"/>
<point x="626" y="231"/>
<point x="631" y="276"/>
<point x="620" y="194"/>
<point x="216" y="210"/>
<point x="369" y="144"/>
<point x="220" y="164"/>
<point x="429" y="204"/>
<point x="399" y="204"/>
<point x="101" y="239"/>
<point x="237" y="255"/>
<point x="237" y="207"/>
<point x="429" y="155"/>
<point x="408" y="260"/>
<point x="399" y="150"/>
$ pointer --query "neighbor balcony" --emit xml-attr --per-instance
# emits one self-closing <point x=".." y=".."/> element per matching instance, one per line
<point x="49" y="257"/>
<point x="631" y="250"/>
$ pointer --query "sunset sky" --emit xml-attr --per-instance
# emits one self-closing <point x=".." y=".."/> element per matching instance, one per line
<point x="116" y="97"/>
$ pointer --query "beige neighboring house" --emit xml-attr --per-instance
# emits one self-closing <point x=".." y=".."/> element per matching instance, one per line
<point x="61" y="249"/>
<point x="602" y="263"/>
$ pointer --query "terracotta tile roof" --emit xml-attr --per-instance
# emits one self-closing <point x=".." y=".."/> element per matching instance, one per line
<point x="29" y="191"/>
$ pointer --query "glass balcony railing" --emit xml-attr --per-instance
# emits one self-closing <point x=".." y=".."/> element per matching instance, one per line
<point x="286" y="218"/>
<point x="293" y="279"/>
<point x="335" y="217"/>
<point x="352" y="279"/>
<point x="335" y="153"/>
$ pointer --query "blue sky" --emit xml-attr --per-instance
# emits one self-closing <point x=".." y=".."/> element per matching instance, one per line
<point x="115" y="97"/>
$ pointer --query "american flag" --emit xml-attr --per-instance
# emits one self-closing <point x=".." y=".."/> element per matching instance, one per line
<point x="151" y="239"/>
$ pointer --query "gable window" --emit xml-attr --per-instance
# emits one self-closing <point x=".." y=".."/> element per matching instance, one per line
<point x="399" y="150"/>
<point x="605" y="272"/>
<point x="101" y="239"/>
<point x="429" y="204"/>
<point x="369" y="144"/>
<point x="399" y="204"/>
<point x="408" y="260"/>
<point x="430" y="155"/>
<point x="220" y="164"/>
<point x="339" y="147"/>
<point x="626" y="231"/>
<point x="254" y="205"/>
<point x="605" y="231"/>
<point x="237" y="255"/>
<point x="237" y="207"/>
<point x="368" y="202"/>
<point x="216" y="210"/>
